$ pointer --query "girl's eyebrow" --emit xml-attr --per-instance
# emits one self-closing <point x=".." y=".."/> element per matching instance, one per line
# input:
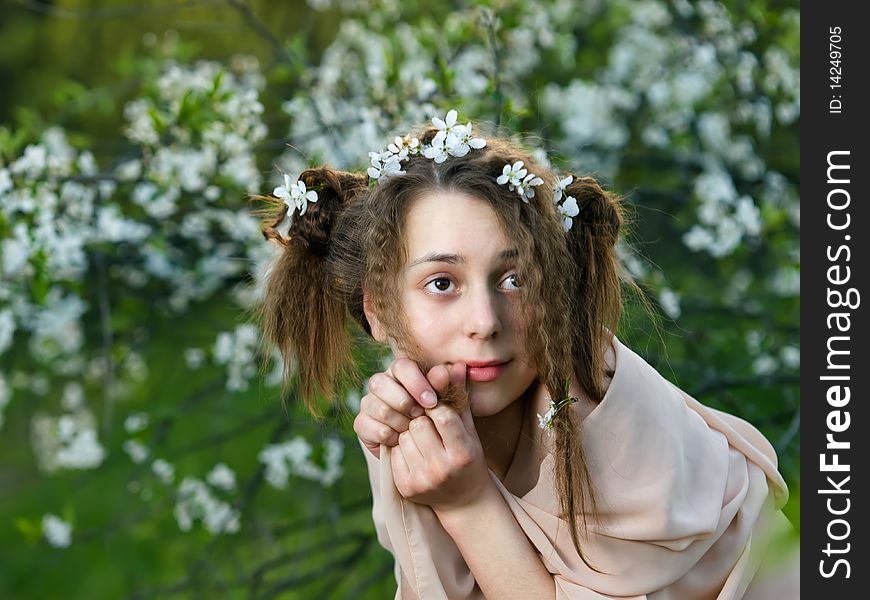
<point x="458" y="258"/>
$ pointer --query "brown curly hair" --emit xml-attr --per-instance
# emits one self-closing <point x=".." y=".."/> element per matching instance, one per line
<point x="352" y="239"/>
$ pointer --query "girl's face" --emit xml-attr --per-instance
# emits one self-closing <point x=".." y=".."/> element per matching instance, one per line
<point x="460" y="292"/>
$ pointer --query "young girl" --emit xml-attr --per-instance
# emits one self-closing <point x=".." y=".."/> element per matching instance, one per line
<point x="516" y="448"/>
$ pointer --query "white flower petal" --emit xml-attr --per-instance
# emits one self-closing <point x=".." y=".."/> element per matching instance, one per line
<point x="569" y="207"/>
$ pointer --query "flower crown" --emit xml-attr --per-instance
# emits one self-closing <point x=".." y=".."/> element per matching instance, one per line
<point x="452" y="139"/>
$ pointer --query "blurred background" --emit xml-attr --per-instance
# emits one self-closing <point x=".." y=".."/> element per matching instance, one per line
<point x="144" y="450"/>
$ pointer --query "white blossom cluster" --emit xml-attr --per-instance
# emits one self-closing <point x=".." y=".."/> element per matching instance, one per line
<point x="594" y="114"/>
<point x="50" y="220"/>
<point x="68" y="441"/>
<point x="197" y="501"/>
<point x="136" y="450"/>
<point x="57" y="207"/>
<point x="374" y="80"/>
<point x="237" y="350"/>
<point x="188" y="172"/>
<point x="57" y="532"/>
<point x="724" y="218"/>
<point x="293" y="457"/>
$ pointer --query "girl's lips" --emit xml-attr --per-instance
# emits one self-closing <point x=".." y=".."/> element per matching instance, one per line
<point x="485" y="373"/>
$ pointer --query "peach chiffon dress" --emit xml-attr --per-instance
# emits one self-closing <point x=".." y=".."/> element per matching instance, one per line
<point x="688" y="497"/>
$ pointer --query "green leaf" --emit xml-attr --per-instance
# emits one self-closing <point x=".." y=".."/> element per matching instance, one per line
<point x="29" y="529"/>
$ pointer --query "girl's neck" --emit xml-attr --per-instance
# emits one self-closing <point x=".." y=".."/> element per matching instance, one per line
<point x="500" y="433"/>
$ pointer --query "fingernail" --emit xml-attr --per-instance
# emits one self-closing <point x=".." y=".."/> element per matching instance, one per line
<point x="417" y="411"/>
<point x="429" y="399"/>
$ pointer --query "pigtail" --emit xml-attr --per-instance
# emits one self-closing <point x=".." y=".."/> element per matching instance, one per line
<point x="597" y="288"/>
<point x="302" y="313"/>
<point x="596" y="301"/>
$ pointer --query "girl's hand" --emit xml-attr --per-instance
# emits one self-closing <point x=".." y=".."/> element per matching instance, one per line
<point x="394" y="398"/>
<point x="439" y="461"/>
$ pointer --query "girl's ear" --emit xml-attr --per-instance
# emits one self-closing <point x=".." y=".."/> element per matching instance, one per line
<point x="377" y="330"/>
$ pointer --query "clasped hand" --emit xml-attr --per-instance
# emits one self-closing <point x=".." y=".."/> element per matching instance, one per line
<point x="437" y="458"/>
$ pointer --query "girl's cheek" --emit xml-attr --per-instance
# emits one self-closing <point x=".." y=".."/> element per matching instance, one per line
<point x="430" y="323"/>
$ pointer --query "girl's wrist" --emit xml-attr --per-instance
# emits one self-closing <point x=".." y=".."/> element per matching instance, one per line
<point x="462" y="513"/>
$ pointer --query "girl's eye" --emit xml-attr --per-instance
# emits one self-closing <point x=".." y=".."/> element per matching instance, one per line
<point x="514" y="278"/>
<point x="441" y="285"/>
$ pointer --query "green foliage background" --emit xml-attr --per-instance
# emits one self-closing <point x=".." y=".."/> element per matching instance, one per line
<point x="75" y="63"/>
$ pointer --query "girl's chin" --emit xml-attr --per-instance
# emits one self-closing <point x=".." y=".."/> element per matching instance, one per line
<point x="481" y="406"/>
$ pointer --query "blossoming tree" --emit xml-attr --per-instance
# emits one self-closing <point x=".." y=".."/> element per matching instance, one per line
<point x="135" y="421"/>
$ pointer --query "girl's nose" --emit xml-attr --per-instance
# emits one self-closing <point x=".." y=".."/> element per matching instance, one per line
<point x="483" y="319"/>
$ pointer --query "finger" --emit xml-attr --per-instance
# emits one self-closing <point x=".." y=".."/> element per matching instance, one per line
<point x="458" y="372"/>
<point x="450" y="427"/>
<point x="410" y="451"/>
<point x="385" y="387"/>
<point x="373" y="433"/>
<point x="408" y="373"/>
<point x="375" y="408"/>
<point x="399" y="467"/>
<point x="427" y="438"/>
<point x="439" y="377"/>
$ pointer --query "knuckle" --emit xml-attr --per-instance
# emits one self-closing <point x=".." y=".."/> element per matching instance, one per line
<point x="408" y="405"/>
<point x="365" y="405"/>
<point x="358" y="423"/>
<point x="439" y="476"/>
<point x="382" y="411"/>
<point x="442" y="418"/>
<point x="375" y="382"/>
<point x="383" y="433"/>
<point x="463" y="459"/>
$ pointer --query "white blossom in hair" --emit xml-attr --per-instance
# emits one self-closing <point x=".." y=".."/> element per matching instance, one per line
<point x="569" y="207"/>
<point x="526" y="189"/>
<point x="519" y="179"/>
<point x="559" y="192"/>
<point x="294" y="195"/>
<point x="402" y="147"/>
<point x="451" y="140"/>
<point x="439" y="150"/>
<point x="512" y="175"/>
<point x="546" y="421"/>
<point x="385" y="164"/>
<point x="446" y="125"/>
<point x="466" y="141"/>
